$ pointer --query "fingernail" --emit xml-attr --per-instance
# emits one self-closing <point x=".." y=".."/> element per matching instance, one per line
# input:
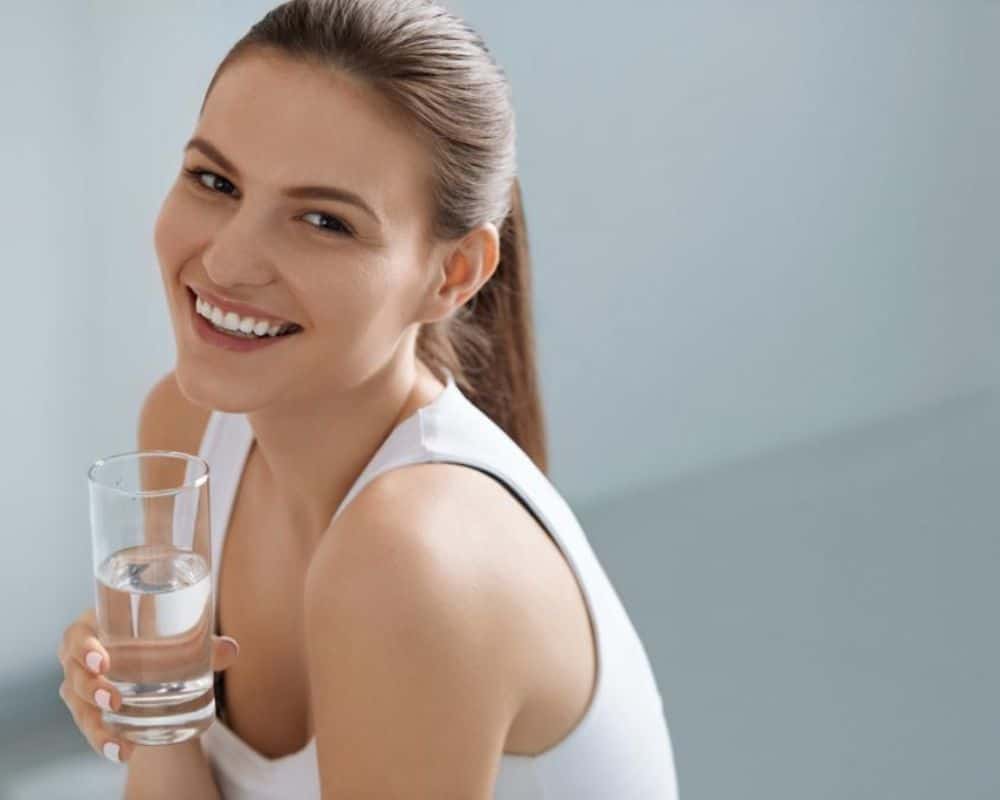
<point x="111" y="751"/>
<point x="235" y="645"/>
<point x="103" y="698"/>
<point x="94" y="662"/>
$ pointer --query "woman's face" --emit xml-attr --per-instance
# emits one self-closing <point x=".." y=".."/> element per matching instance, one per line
<point x="355" y="280"/>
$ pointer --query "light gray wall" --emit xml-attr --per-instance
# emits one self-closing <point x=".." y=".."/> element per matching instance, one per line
<point x="768" y="296"/>
<point x="48" y="257"/>
<point x="753" y="222"/>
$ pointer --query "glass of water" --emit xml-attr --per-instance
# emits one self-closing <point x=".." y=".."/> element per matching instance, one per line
<point x="152" y="567"/>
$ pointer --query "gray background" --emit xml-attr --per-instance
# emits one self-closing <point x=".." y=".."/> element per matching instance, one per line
<point x="768" y="307"/>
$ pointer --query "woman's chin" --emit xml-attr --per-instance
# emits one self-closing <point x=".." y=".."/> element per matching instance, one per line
<point x="206" y="389"/>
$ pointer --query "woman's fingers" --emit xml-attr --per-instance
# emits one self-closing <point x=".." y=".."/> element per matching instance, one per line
<point x="225" y="649"/>
<point x="80" y="643"/>
<point x="93" y="689"/>
<point x="87" y="692"/>
<point x="88" y="719"/>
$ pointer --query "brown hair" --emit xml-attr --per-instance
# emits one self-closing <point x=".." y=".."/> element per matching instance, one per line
<point x="432" y="66"/>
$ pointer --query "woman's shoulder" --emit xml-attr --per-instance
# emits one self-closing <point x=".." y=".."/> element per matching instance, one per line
<point x="441" y="511"/>
<point x="449" y="555"/>
<point x="456" y="529"/>
<point x="412" y="558"/>
<point x="404" y="646"/>
<point x="445" y="532"/>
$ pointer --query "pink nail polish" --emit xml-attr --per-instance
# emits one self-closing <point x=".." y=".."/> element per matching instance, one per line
<point x="103" y="699"/>
<point x="94" y="661"/>
<point x="111" y="751"/>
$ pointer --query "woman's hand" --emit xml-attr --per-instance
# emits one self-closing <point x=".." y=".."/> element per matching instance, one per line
<point x="85" y="691"/>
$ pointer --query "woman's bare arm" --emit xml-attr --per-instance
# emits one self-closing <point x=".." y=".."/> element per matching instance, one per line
<point x="167" y="772"/>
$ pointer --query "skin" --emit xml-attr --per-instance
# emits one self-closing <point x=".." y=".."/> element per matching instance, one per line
<point x="319" y="402"/>
<point x="453" y="664"/>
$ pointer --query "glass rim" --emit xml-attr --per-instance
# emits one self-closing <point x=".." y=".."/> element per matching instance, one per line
<point x="196" y="482"/>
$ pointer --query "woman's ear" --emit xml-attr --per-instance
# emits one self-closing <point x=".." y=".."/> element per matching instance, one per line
<point x="464" y="266"/>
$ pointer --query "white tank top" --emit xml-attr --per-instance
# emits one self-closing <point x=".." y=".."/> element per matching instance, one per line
<point x="619" y="750"/>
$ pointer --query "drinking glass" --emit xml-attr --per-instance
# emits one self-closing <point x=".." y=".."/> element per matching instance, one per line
<point x="152" y="565"/>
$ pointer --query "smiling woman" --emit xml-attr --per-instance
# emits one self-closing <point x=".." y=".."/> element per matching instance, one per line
<point x="418" y="610"/>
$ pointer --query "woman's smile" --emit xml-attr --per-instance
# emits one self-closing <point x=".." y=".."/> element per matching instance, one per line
<point x="234" y="341"/>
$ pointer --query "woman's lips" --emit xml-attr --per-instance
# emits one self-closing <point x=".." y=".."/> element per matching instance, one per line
<point x="242" y="309"/>
<point x="205" y="331"/>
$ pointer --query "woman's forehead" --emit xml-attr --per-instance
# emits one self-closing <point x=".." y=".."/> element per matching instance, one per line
<point x="283" y="123"/>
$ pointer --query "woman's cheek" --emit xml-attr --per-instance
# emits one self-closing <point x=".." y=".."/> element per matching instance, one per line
<point x="350" y="307"/>
<point x="172" y="233"/>
<point x="181" y="228"/>
<point x="362" y="308"/>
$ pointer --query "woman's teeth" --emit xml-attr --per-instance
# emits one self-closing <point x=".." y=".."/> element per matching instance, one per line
<point x="242" y="327"/>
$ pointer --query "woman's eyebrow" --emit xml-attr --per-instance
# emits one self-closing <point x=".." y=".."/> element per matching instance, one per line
<point x="300" y="192"/>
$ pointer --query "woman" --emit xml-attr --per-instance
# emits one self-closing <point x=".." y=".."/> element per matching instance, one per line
<point x="418" y="611"/>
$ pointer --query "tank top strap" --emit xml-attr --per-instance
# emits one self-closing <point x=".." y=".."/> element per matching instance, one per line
<point x="224" y="446"/>
<point x="403" y="446"/>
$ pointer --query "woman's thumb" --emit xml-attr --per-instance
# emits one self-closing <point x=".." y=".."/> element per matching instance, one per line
<point x="225" y="649"/>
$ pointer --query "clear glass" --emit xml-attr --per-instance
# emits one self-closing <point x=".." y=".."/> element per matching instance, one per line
<point x="152" y="565"/>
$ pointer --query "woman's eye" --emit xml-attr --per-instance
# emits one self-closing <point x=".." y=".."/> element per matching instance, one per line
<point x="339" y="227"/>
<point x="335" y="226"/>
<point x="197" y="174"/>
